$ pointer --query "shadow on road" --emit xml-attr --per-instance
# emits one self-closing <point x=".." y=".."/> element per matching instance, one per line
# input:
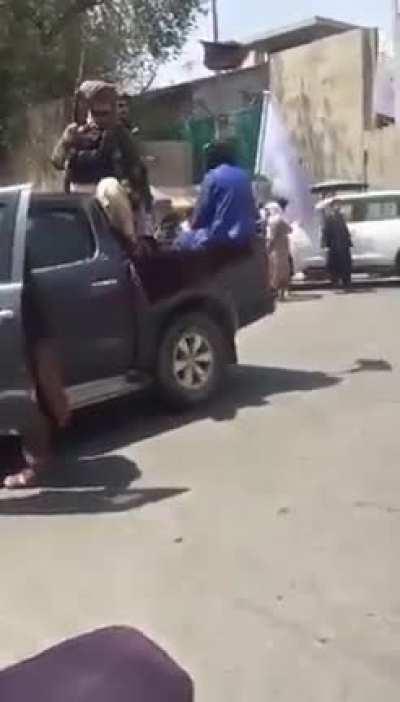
<point x="67" y="502"/>
<point x="371" y="365"/>
<point x="302" y="297"/>
<point x="100" y="485"/>
<point x="86" y="482"/>
<point x="372" y="285"/>
<point x="357" y="290"/>
<point x="110" y="473"/>
<point x="115" y="426"/>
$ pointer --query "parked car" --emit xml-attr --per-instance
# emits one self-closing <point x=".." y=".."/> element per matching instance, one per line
<point x="374" y="222"/>
<point x="168" y="317"/>
<point x="332" y="188"/>
<point x="301" y="248"/>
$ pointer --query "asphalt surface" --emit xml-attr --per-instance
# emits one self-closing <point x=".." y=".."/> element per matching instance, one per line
<point x="258" y="540"/>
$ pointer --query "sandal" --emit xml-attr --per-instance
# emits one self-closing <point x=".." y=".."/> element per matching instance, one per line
<point x="24" y="480"/>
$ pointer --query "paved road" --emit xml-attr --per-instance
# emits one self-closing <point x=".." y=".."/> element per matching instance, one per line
<point x="258" y="542"/>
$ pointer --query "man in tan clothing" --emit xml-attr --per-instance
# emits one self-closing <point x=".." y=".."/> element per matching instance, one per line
<point x="278" y="246"/>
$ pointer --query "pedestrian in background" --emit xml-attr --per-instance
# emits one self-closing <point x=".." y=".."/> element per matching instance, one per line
<point x="336" y="238"/>
<point x="278" y="246"/>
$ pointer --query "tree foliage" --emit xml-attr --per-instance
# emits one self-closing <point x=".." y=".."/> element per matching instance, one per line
<point x="48" y="46"/>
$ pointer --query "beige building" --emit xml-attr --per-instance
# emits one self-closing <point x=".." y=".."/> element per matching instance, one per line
<point x="322" y="73"/>
<point x="325" y="89"/>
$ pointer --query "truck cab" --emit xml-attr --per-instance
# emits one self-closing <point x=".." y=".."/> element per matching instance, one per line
<point x="118" y="323"/>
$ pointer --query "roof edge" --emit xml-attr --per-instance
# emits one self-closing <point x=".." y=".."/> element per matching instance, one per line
<point x="315" y="21"/>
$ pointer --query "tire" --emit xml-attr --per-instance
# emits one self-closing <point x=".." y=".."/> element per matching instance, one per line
<point x="291" y="267"/>
<point x="192" y="361"/>
<point x="397" y="264"/>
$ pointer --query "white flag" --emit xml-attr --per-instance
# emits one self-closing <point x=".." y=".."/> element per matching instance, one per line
<point x="384" y="87"/>
<point x="278" y="160"/>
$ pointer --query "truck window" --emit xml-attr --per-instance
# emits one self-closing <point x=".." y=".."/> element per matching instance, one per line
<point x="58" y="237"/>
<point x="3" y="266"/>
<point x="7" y="221"/>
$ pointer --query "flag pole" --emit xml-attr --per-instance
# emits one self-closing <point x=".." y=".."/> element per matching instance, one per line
<point x="215" y="17"/>
<point x="396" y="52"/>
<point x="215" y="20"/>
<point x="262" y="136"/>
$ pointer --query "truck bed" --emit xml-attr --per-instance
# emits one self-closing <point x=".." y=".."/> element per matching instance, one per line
<point x="165" y="273"/>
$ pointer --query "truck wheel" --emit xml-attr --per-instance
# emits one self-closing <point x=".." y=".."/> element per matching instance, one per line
<point x="291" y="267"/>
<point x="192" y="361"/>
<point x="397" y="264"/>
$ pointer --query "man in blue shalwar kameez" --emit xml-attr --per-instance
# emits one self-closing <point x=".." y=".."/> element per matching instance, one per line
<point x="226" y="212"/>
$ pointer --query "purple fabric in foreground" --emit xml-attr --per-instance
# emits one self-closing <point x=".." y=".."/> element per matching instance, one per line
<point x="111" y="665"/>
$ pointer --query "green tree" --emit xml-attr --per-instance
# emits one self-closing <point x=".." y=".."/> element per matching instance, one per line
<point x="48" y="46"/>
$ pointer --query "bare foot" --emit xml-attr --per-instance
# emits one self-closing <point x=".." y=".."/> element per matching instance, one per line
<point x="24" y="480"/>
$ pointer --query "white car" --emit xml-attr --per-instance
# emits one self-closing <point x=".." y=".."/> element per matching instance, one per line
<point x="301" y="249"/>
<point x="373" y="218"/>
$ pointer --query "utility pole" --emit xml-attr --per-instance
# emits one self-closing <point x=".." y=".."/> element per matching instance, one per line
<point x="215" y="20"/>
<point x="396" y="50"/>
<point x="215" y="17"/>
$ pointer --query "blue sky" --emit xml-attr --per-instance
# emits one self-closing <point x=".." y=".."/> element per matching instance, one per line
<point x="240" y="19"/>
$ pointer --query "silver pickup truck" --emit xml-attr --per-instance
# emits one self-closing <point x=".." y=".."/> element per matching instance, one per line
<point x="118" y="323"/>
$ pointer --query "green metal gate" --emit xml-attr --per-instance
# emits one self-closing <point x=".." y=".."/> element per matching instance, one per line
<point x="242" y="128"/>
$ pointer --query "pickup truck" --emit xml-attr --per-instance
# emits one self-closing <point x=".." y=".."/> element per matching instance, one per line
<point x="119" y="323"/>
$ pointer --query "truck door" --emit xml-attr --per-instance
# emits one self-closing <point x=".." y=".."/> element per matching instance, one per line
<point x="85" y="292"/>
<point x="15" y="398"/>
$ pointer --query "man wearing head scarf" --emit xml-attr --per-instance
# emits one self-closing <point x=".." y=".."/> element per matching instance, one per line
<point x="60" y="156"/>
<point x="101" y="149"/>
<point x="226" y="212"/>
<point x="278" y="246"/>
<point x="336" y="238"/>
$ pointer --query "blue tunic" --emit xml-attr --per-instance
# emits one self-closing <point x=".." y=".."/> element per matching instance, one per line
<point x="226" y="212"/>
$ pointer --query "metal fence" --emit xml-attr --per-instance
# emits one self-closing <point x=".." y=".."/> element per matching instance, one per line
<point x="241" y="127"/>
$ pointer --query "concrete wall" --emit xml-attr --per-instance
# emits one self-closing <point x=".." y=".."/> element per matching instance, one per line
<point x="31" y="160"/>
<point x="383" y="148"/>
<point x="160" y="113"/>
<point x="170" y="163"/>
<point x="325" y="89"/>
<point x="156" y="113"/>
<point x="230" y="91"/>
<point x="322" y="88"/>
